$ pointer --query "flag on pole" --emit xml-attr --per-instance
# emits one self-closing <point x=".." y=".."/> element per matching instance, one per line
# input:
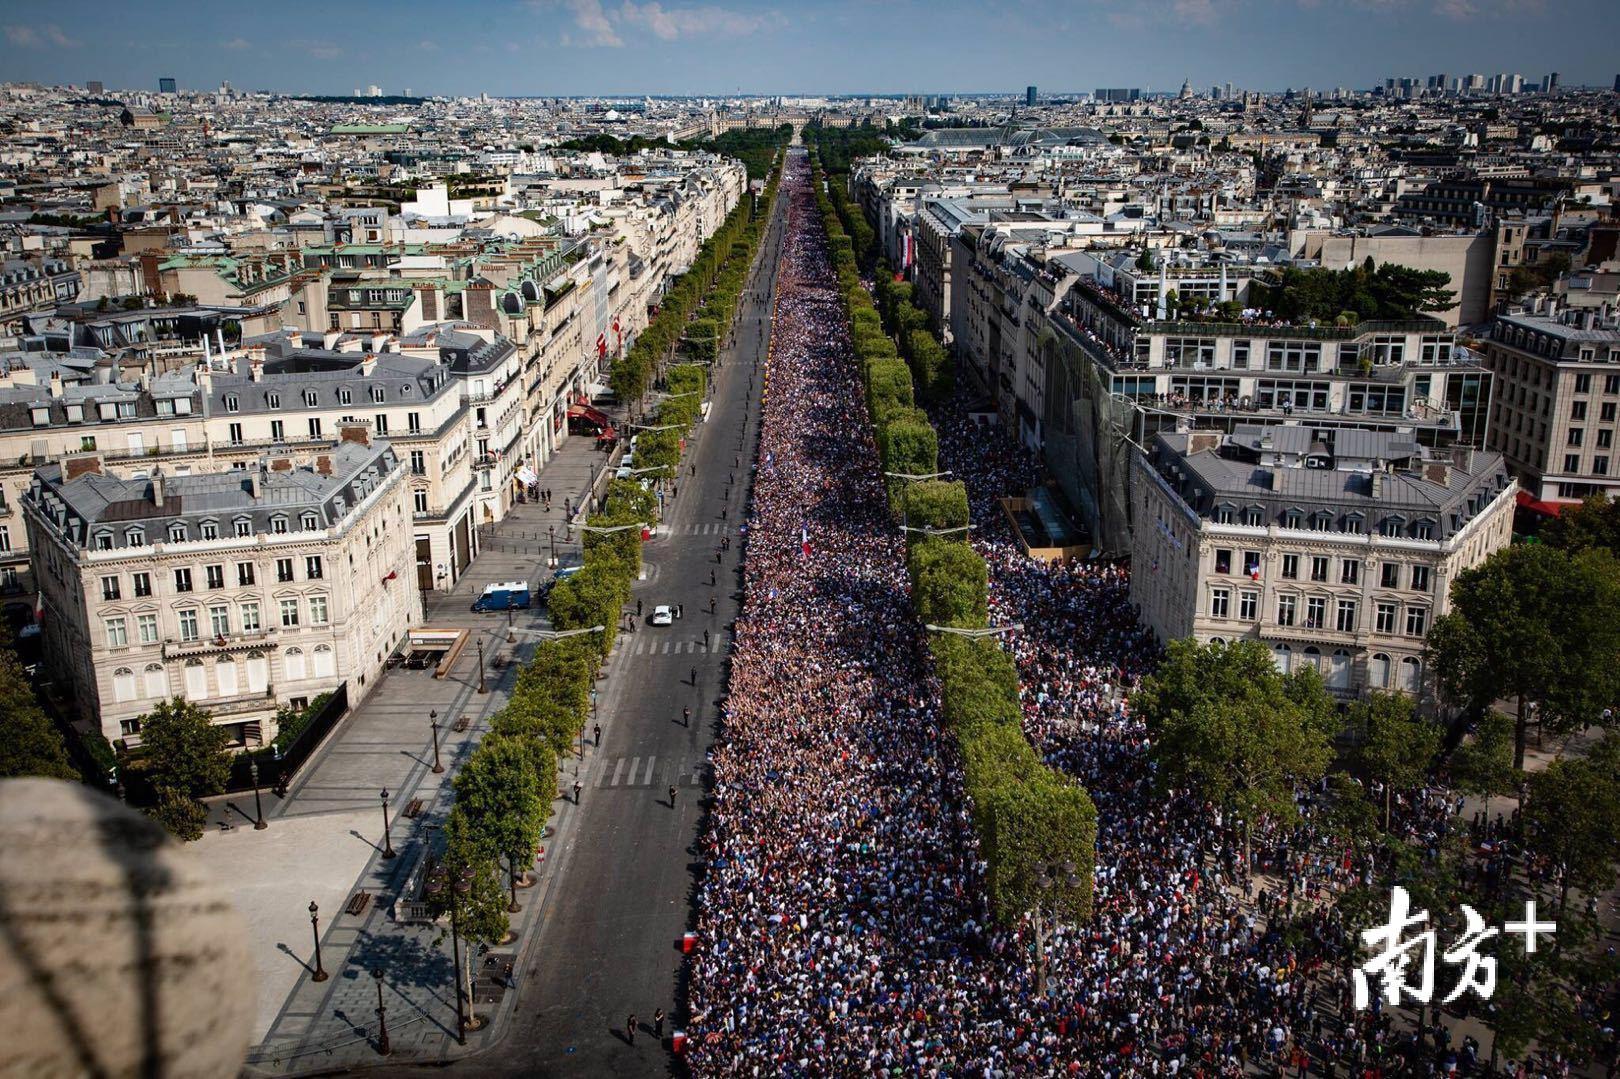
<point x="804" y="540"/>
<point x="601" y="345"/>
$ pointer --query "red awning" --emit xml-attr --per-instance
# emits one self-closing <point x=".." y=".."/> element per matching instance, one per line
<point x="1535" y="505"/>
<point x="596" y="416"/>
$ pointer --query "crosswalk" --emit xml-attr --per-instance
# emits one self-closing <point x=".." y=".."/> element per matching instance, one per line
<point x="646" y="772"/>
<point x="710" y="528"/>
<point x="646" y="643"/>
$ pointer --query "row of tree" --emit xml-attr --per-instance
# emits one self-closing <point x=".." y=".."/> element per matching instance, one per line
<point x="712" y="285"/>
<point x="1028" y="817"/>
<point x="1358" y="294"/>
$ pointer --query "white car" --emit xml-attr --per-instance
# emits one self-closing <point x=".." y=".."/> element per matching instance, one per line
<point x="662" y="615"/>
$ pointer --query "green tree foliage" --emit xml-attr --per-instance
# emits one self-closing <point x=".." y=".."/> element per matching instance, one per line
<point x="481" y="914"/>
<point x="1535" y="625"/>
<point x="184" y="757"/>
<point x="950" y="583"/>
<point x="1594" y="523"/>
<point x="888" y="389"/>
<point x="1572" y="818"/>
<point x="1397" y="745"/>
<point x="1230" y="726"/>
<point x="30" y="744"/>
<point x="1388" y="292"/>
<point x="1483" y="764"/>
<point x="1047" y="821"/>
<point x="498" y="792"/>
<point x="936" y="504"/>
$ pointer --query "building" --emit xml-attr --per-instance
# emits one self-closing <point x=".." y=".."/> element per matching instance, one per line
<point x="166" y="85"/>
<point x="1334" y="548"/>
<point x="1029" y="96"/>
<point x="93" y="87"/>
<point x="243" y="591"/>
<point x="1554" y="417"/>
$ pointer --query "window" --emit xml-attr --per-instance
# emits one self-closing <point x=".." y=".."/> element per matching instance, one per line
<point x="382" y="423"/>
<point x="1411" y="674"/>
<point x="314" y="428"/>
<point x="1420" y="578"/>
<point x="1316" y="612"/>
<point x="196" y="680"/>
<point x="413" y="422"/>
<point x="1290" y="567"/>
<point x="177" y="533"/>
<point x="182" y="580"/>
<point x="289" y="613"/>
<point x="317" y="610"/>
<point x="1423" y="530"/>
<point x="292" y="662"/>
<point x="1392" y="526"/>
<point x="1346" y="622"/>
<point x="278" y="431"/>
<point x="225" y="676"/>
<point x="1286" y="606"/>
<point x="146" y="628"/>
<point x="141" y="584"/>
<point x="103" y="540"/>
<point x="273" y="399"/>
<point x="1577" y="410"/>
<point x="278" y="525"/>
<point x="117" y="634"/>
<point x="284" y="570"/>
<point x="1223" y="560"/>
<point x="258" y="672"/>
<point x="325" y="661"/>
<point x="215" y="575"/>
<point x="123" y="684"/>
<point x="250" y="617"/>
<point x="233" y="404"/>
<point x="244" y="573"/>
<point x="1583" y="383"/>
<point x="1219" y="601"/>
<point x="219" y="621"/>
<point x="1572" y="462"/>
<point x="244" y="527"/>
<point x="157" y="682"/>
<point x="418" y="463"/>
<point x="309" y="398"/>
<point x="312" y="567"/>
<point x="1389" y="575"/>
<point x="419" y="501"/>
<point x="109" y="588"/>
<point x="1319" y="567"/>
<point x="309" y="522"/>
<point x="1575" y="436"/>
<point x="1251" y="564"/>
<point x="1248" y="605"/>
<point x="345" y="397"/>
<point x="1417" y="620"/>
<point x="188" y="624"/>
<point x="1224" y="515"/>
<point x="1293" y="519"/>
<point x="1600" y="465"/>
<point x="1350" y="571"/>
<point x="1254" y="517"/>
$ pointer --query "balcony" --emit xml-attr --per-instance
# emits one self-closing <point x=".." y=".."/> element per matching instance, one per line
<point x="210" y="646"/>
<point x="243" y="702"/>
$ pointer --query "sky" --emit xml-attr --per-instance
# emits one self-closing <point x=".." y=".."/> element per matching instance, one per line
<point x="608" y="47"/>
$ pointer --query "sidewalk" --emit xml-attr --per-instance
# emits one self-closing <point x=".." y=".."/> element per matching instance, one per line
<point x="323" y="843"/>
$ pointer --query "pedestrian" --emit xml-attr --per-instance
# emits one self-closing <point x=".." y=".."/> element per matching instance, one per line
<point x="658" y="1022"/>
<point x="578" y="786"/>
<point x="597" y="730"/>
<point x="686" y="717"/>
<point x="711" y="578"/>
<point x="672" y="796"/>
<point x="674" y="489"/>
<point x="692" y="470"/>
<point x="705" y="640"/>
<point x="680" y="610"/>
<point x="630" y="1028"/>
<point x="694" y="676"/>
<point x="638" y="608"/>
<point x="712" y="603"/>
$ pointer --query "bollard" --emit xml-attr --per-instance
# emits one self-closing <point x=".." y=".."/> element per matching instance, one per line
<point x="677" y="1042"/>
<point x="688" y="942"/>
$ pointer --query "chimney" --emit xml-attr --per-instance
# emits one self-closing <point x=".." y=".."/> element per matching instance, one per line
<point x="255" y="368"/>
<point x="254" y="486"/>
<point x="379" y="342"/>
<point x="79" y="464"/>
<point x="323" y="465"/>
<point x="368" y="365"/>
<point x="157" y="487"/>
<point x="1376" y="488"/>
<point x="355" y="432"/>
<point x="56" y="384"/>
<point x="1437" y="472"/>
<point x="1199" y="441"/>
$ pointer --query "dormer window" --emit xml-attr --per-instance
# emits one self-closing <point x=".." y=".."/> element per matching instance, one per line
<point x="378" y="393"/>
<point x="104" y="541"/>
<point x="244" y="527"/>
<point x="309" y="522"/>
<point x="1392" y="526"/>
<point x="1352" y="523"/>
<point x="278" y="524"/>
<point x="1293" y="519"/>
<point x="1423" y="529"/>
<point x="1254" y="516"/>
<point x="75" y="413"/>
<point x="345" y="397"/>
<point x="42" y="416"/>
<point x="1322" y="521"/>
<point x="309" y="398"/>
<point x="210" y="530"/>
<point x="135" y="537"/>
<point x="177" y="533"/>
<point x="1225" y="514"/>
<point x="273" y="399"/>
<point x="233" y="403"/>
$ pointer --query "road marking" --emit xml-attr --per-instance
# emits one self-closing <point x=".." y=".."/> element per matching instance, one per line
<point x="617" y="772"/>
<point x="601" y="774"/>
<point x="650" y="762"/>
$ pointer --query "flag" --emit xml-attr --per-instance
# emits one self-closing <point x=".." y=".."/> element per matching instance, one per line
<point x="601" y="345"/>
<point x="804" y="540"/>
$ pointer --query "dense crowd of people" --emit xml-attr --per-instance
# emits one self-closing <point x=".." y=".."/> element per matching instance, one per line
<point x="842" y="921"/>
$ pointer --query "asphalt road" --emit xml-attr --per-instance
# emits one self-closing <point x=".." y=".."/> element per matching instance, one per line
<point x="626" y="875"/>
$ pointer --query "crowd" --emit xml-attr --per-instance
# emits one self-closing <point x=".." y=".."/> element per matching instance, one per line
<point x="842" y="923"/>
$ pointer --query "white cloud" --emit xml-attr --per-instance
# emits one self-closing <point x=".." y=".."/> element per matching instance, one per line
<point x="593" y="23"/>
<point x="28" y="37"/>
<point x="705" y="20"/>
<point x="318" y="50"/>
<point x="428" y="45"/>
<point x="236" y="44"/>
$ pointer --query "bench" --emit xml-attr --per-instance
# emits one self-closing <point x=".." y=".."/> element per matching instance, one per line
<point x="358" y="903"/>
<point x="500" y="661"/>
<point x="462" y="722"/>
<point x="413" y="808"/>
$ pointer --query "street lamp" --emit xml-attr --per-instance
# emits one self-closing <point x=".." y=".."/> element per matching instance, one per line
<point x="905" y="503"/>
<point x="388" y="843"/>
<point x="551" y="531"/>
<point x="938" y="531"/>
<point x="436" y="884"/>
<point x="320" y="974"/>
<point x="383" y="1048"/>
<point x="259" y="824"/>
<point x="977" y="634"/>
<point x="510" y="636"/>
<point x="433" y="722"/>
<point x="481" y="687"/>
<point x="1048" y="880"/>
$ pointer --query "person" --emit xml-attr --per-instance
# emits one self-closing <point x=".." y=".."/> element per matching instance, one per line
<point x="672" y="796"/>
<point x="712" y="604"/>
<point x="692" y="471"/>
<point x="578" y="786"/>
<point x="711" y="578"/>
<point x="705" y="638"/>
<point x="686" y="717"/>
<point x="638" y="608"/>
<point x="630" y="1028"/>
<point x="694" y="676"/>
<point x="680" y="610"/>
<point x="658" y="1022"/>
<point x="597" y="731"/>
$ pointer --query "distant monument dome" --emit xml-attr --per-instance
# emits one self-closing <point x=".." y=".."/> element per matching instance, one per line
<point x="1186" y="89"/>
<point x="119" y="955"/>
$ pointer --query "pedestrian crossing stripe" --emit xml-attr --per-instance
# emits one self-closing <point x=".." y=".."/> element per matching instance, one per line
<point x="639" y="771"/>
<point x="711" y="528"/>
<point x="647" y="645"/>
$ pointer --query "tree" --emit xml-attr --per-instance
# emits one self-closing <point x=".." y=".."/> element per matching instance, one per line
<point x="30" y="745"/>
<point x="1483" y="765"/>
<point x="937" y="504"/>
<point x="1227" y="724"/>
<point x="1594" y="523"/>
<point x="185" y="757"/>
<point x="1572" y="818"/>
<point x="472" y="891"/>
<point x="950" y="583"/>
<point x="1535" y="625"/>
<point x="498" y="793"/>
<point x="1397" y="745"/>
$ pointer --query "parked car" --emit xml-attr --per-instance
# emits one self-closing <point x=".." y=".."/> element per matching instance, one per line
<point x="662" y="615"/>
<point x="561" y="575"/>
<point x="513" y="595"/>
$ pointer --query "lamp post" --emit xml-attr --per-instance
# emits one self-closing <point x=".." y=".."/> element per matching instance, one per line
<point x="383" y="1047"/>
<point x="433" y="722"/>
<point x="976" y="634"/>
<point x="510" y="636"/>
<point x="388" y="843"/>
<point x="259" y="824"/>
<point x="905" y="503"/>
<point x="320" y="974"/>
<point x="481" y="687"/>
<point x="551" y="531"/>
<point x="1048" y="879"/>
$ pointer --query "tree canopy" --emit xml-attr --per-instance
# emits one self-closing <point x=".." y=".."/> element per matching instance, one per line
<point x="1388" y="292"/>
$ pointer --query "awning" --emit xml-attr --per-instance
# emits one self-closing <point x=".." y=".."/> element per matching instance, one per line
<point x="1535" y="505"/>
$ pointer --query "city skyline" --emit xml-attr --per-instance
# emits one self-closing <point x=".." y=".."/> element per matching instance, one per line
<point x="602" y="48"/>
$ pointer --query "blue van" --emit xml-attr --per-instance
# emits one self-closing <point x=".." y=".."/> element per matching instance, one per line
<point x="508" y="595"/>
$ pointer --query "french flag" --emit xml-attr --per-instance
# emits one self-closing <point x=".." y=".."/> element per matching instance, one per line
<point x="804" y="540"/>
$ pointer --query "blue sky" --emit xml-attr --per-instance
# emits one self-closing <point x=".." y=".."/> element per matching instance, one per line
<point x="799" y="46"/>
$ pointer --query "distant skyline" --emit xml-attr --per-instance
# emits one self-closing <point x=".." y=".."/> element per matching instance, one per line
<point x="607" y="47"/>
